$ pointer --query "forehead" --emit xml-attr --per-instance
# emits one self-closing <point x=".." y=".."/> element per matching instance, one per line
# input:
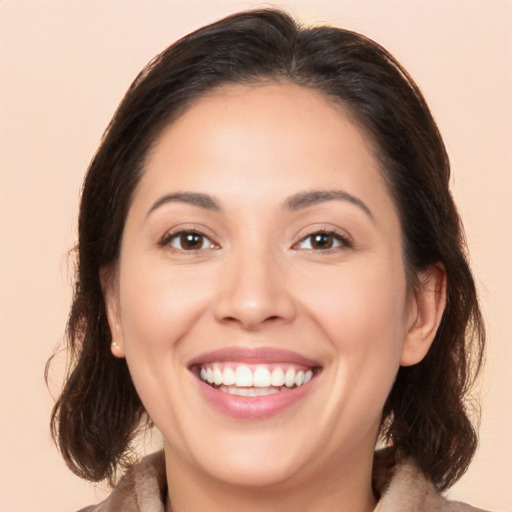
<point x="263" y="141"/>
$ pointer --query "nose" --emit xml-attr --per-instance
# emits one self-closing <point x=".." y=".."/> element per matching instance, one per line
<point x="254" y="292"/>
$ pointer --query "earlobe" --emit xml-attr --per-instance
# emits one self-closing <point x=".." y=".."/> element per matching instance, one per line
<point x="116" y="349"/>
<point x="110" y="287"/>
<point x="430" y="302"/>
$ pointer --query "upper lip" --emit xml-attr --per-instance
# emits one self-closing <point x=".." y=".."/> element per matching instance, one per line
<point x="249" y="355"/>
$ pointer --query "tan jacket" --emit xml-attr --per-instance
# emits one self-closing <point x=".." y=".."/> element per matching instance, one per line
<point x="402" y="488"/>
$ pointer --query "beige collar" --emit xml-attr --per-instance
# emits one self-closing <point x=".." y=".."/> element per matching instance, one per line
<point x="401" y="486"/>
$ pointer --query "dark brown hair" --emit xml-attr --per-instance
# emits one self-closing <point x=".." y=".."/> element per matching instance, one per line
<point x="425" y="416"/>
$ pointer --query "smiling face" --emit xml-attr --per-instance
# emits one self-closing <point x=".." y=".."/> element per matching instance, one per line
<point x="262" y="256"/>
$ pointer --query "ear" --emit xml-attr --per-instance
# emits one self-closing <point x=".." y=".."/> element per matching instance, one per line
<point x="426" y="313"/>
<point x="110" y="286"/>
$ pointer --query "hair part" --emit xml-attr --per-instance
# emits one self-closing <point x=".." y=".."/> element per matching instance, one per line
<point x="98" y="412"/>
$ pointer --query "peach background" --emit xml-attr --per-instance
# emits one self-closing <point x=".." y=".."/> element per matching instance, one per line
<point x="64" y="66"/>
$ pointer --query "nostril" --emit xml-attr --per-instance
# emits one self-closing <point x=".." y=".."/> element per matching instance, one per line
<point x="252" y="322"/>
<point x="234" y="319"/>
<point x="252" y="304"/>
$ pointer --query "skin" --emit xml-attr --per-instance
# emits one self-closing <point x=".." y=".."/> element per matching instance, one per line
<point x="257" y="281"/>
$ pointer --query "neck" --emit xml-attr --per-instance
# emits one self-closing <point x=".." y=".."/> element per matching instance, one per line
<point x="333" y="490"/>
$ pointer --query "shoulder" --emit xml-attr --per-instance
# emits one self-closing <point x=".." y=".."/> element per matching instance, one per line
<point x="404" y="488"/>
<point x="401" y="485"/>
<point x="141" y="489"/>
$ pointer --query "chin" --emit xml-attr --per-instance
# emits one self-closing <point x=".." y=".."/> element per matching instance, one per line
<point x="263" y="458"/>
<point x="253" y="469"/>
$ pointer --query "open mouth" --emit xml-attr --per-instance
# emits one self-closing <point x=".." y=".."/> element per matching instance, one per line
<point x="254" y="380"/>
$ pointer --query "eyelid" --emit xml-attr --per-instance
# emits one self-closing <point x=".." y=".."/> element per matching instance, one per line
<point x="344" y="239"/>
<point x="173" y="233"/>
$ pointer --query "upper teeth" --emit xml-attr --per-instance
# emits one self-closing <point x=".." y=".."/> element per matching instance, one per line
<point x="259" y="376"/>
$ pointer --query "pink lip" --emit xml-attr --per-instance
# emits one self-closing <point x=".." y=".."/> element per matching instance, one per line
<point x="253" y="356"/>
<point x="253" y="408"/>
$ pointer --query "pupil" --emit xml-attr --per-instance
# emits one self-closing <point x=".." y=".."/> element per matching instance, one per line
<point x="322" y="241"/>
<point x="190" y="240"/>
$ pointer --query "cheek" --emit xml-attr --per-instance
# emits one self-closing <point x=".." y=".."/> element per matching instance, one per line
<point x="362" y="310"/>
<point x="159" y="308"/>
<point x="158" y="305"/>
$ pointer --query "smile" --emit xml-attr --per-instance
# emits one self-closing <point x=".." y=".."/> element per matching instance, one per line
<point x="247" y="383"/>
<point x="254" y="380"/>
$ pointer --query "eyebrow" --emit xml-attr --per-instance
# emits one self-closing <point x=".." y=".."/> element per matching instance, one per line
<point x="313" y="197"/>
<point x="296" y="202"/>
<point x="196" y="199"/>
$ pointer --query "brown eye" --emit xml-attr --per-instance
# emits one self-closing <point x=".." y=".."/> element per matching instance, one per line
<point x="323" y="241"/>
<point x="190" y="241"/>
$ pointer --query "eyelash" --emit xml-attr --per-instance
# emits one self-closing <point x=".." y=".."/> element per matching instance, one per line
<point x="334" y="239"/>
<point x="338" y="241"/>
<point x="169" y="238"/>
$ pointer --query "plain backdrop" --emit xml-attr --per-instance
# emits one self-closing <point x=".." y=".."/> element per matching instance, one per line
<point x="64" y="66"/>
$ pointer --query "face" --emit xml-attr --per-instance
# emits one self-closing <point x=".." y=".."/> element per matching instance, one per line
<point x="260" y="299"/>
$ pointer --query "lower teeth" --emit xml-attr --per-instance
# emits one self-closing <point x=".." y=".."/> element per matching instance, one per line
<point x="233" y="390"/>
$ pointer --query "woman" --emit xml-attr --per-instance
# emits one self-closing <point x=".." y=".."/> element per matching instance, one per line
<point x="272" y="271"/>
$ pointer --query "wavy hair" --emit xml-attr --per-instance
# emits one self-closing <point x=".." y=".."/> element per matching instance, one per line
<point x="98" y="412"/>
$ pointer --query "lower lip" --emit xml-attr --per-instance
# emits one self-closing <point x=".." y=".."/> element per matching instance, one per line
<point x="253" y="408"/>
